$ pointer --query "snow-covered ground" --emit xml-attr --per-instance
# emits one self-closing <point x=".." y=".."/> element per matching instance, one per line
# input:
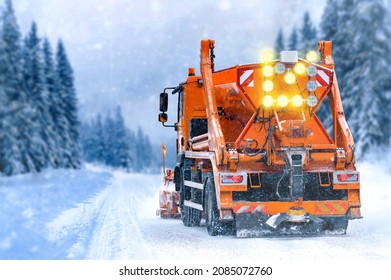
<point x="95" y="213"/>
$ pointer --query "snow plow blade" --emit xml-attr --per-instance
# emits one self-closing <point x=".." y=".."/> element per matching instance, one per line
<point x="294" y="222"/>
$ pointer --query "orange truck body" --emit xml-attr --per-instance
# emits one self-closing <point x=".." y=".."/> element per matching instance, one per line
<point x="250" y="146"/>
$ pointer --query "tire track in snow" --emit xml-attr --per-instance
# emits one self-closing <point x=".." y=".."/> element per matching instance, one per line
<point x="117" y="234"/>
<point x="106" y="226"/>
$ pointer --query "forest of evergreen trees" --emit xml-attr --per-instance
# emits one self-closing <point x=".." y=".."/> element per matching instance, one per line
<point x="360" y="34"/>
<point x="39" y="124"/>
<point x="108" y="141"/>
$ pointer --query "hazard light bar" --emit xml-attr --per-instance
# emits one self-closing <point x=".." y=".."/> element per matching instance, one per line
<point x="346" y="177"/>
<point x="233" y="179"/>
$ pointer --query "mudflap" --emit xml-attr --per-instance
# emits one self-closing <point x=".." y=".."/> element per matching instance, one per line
<point x="259" y="225"/>
<point x="252" y="225"/>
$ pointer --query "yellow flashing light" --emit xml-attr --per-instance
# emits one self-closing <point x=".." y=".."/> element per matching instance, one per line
<point x="267" y="71"/>
<point x="312" y="56"/>
<point x="282" y="101"/>
<point x="268" y="101"/>
<point x="267" y="55"/>
<point x="290" y="78"/>
<point x="299" y="68"/>
<point x="297" y="100"/>
<point x="267" y="86"/>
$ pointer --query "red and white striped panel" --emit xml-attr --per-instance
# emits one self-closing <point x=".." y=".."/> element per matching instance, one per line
<point x="248" y="209"/>
<point x="322" y="78"/>
<point x="247" y="78"/>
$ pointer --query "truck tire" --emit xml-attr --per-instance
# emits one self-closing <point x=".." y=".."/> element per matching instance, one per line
<point x="338" y="225"/>
<point x="191" y="217"/>
<point x="213" y="223"/>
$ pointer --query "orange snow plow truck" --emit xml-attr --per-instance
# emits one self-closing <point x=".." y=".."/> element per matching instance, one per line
<point x="253" y="158"/>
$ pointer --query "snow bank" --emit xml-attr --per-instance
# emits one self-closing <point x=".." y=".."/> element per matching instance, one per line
<point x="28" y="202"/>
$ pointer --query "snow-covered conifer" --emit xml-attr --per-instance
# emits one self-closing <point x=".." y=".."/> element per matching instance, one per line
<point x="368" y="81"/>
<point x="279" y="45"/>
<point x="69" y="103"/>
<point x="56" y="110"/>
<point x="330" y="20"/>
<point x="308" y="35"/>
<point x="14" y="156"/>
<point x="121" y="147"/>
<point x="42" y="129"/>
<point x="293" y="38"/>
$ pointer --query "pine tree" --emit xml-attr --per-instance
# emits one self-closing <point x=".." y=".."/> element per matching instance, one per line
<point x="328" y="25"/>
<point x="330" y="20"/>
<point x="337" y="25"/>
<point x="343" y="50"/>
<point x="368" y="81"/>
<point x="109" y="140"/>
<point x="10" y="161"/>
<point x="132" y="144"/>
<point x="111" y="143"/>
<point x="148" y="153"/>
<point x="308" y="35"/>
<point x="69" y="102"/>
<point x="56" y="108"/>
<point x="42" y="134"/>
<point x="293" y="38"/>
<point x="15" y="158"/>
<point x="87" y="142"/>
<point x="279" y="45"/>
<point x="139" y="165"/>
<point x="121" y="148"/>
<point x="144" y="151"/>
<point x="99" y="140"/>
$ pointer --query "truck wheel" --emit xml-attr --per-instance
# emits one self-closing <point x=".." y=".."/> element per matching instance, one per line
<point x="336" y="226"/>
<point x="191" y="217"/>
<point x="213" y="223"/>
<point x="339" y="225"/>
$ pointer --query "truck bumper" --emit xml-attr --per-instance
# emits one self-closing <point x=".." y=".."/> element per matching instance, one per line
<point x="289" y="218"/>
<point x="333" y="208"/>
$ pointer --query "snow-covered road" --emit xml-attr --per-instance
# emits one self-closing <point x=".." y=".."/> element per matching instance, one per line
<point x="103" y="214"/>
<point x="122" y="225"/>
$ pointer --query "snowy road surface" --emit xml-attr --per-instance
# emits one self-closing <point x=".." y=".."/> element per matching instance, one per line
<point x="118" y="222"/>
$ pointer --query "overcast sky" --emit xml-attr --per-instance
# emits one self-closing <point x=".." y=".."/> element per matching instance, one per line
<point x="124" y="52"/>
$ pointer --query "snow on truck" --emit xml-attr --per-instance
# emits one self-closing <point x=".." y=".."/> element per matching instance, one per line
<point x="252" y="155"/>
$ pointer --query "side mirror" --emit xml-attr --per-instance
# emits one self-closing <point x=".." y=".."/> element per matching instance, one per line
<point x="163" y="117"/>
<point x="163" y="102"/>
